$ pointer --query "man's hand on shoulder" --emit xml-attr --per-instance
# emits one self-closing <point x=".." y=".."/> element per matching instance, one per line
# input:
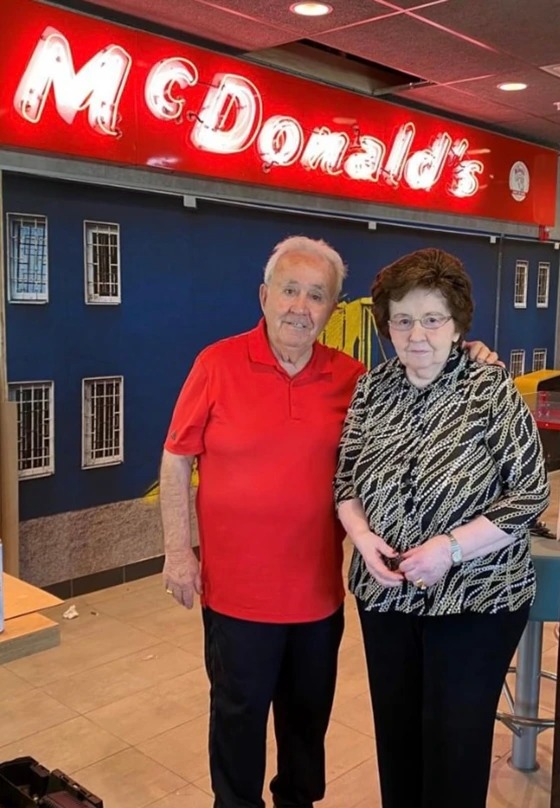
<point x="181" y="577"/>
<point x="479" y="352"/>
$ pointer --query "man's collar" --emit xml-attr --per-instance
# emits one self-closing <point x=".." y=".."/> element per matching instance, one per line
<point x="261" y="352"/>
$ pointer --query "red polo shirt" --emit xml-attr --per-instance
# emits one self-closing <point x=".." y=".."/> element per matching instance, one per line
<point x="271" y="545"/>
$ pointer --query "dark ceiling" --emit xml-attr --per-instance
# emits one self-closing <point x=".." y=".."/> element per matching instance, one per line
<point x="455" y="51"/>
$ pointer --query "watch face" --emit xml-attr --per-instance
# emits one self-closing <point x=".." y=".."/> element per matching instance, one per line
<point x="456" y="552"/>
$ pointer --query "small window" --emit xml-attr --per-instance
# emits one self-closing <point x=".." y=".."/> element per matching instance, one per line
<point x="543" y="283"/>
<point x="521" y="275"/>
<point x="102" y="262"/>
<point x="28" y="272"/>
<point x="35" y="427"/>
<point x="102" y="442"/>
<point x="539" y="358"/>
<point x="517" y="363"/>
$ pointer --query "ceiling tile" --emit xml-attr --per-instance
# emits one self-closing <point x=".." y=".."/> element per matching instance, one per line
<point x="538" y="129"/>
<point x="410" y="4"/>
<point x="446" y="98"/>
<point x="278" y="13"/>
<point x="198" y="20"/>
<point x="409" y="45"/>
<point x="540" y="97"/>
<point x="526" y="29"/>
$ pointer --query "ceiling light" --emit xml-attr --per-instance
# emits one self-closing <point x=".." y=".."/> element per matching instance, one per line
<point x="311" y="9"/>
<point x="512" y="86"/>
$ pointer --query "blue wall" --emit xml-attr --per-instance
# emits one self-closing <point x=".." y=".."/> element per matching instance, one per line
<point x="188" y="278"/>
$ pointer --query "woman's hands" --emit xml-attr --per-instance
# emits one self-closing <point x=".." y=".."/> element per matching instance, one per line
<point x="375" y="551"/>
<point x="425" y="565"/>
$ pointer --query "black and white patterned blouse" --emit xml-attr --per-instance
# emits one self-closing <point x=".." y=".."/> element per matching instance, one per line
<point x="424" y="461"/>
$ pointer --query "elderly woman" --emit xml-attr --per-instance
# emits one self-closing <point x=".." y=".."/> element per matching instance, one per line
<point x="440" y="475"/>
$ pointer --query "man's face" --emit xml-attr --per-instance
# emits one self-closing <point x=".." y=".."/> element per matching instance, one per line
<point x="298" y="300"/>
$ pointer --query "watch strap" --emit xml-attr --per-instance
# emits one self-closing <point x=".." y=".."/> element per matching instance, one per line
<point x="456" y="552"/>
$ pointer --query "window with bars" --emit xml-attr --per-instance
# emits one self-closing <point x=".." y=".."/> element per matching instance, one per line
<point x="28" y="267"/>
<point x="539" y="359"/>
<point x="517" y="363"/>
<point x="521" y="278"/>
<point x="35" y="427"/>
<point x="102" y="441"/>
<point x="102" y="262"/>
<point x="543" y="283"/>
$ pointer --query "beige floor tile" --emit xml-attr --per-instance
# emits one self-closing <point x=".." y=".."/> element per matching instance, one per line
<point x="352" y="677"/>
<point x="141" y="716"/>
<point x="138" y="604"/>
<point x="352" y="621"/>
<point x="203" y="784"/>
<point x="183" y="749"/>
<point x="189" y="797"/>
<point x="191" y="690"/>
<point x="12" y="685"/>
<point x="346" y="749"/>
<point x="122" y="677"/>
<point x="105" y="642"/>
<point x="170" y="624"/>
<point x="355" y="713"/>
<point x="358" y="786"/>
<point x="128" y="779"/>
<point x="30" y="712"/>
<point x="68" y="746"/>
<point x="367" y="802"/>
<point x="513" y="789"/>
<point x="89" y="619"/>
<point x="192" y="642"/>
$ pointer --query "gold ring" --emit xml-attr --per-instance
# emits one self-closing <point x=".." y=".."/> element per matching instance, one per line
<point x="169" y="591"/>
<point x="420" y="584"/>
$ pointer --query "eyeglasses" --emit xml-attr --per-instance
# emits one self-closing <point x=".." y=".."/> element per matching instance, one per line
<point x="429" y="321"/>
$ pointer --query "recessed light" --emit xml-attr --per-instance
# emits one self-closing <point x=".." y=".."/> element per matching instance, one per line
<point x="311" y="9"/>
<point x="512" y="86"/>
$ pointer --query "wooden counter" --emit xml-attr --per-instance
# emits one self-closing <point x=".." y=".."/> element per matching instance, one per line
<point x="26" y="631"/>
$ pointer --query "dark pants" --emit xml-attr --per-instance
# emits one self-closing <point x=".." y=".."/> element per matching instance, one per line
<point x="251" y="666"/>
<point x="435" y="684"/>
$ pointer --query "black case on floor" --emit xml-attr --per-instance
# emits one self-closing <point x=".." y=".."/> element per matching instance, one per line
<point x="24" y="783"/>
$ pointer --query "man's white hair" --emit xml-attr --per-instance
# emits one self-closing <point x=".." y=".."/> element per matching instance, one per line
<point x="316" y="247"/>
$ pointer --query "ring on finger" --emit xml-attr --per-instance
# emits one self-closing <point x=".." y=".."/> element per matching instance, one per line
<point x="419" y="583"/>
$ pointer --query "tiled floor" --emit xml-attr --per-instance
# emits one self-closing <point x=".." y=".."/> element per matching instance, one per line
<point x="122" y="707"/>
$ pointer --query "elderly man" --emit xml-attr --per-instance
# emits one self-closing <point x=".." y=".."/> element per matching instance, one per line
<point x="263" y="412"/>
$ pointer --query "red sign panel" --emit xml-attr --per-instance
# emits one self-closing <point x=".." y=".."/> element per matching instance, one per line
<point x="78" y="86"/>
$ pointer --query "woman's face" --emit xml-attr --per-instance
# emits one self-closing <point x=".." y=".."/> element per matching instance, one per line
<point x="423" y="351"/>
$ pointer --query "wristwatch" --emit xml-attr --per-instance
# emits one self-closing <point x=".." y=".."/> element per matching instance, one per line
<point x="456" y="552"/>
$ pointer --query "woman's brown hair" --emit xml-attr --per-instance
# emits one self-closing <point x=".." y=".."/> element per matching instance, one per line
<point x="431" y="269"/>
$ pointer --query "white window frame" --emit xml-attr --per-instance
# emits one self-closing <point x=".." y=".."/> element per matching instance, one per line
<point x="91" y="279"/>
<point x="543" y="284"/>
<point x="517" y="354"/>
<point x="45" y="469"/>
<point x="540" y="354"/>
<point x="88" y="459"/>
<point x="15" y="296"/>
<point x="520" y="285"/>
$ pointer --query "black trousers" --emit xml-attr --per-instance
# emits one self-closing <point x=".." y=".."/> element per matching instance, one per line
<point x="435" y="685"/>
<point x="251" y="666"/>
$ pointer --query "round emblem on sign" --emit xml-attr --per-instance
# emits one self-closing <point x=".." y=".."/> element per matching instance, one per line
<point x="519" y="181"/>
